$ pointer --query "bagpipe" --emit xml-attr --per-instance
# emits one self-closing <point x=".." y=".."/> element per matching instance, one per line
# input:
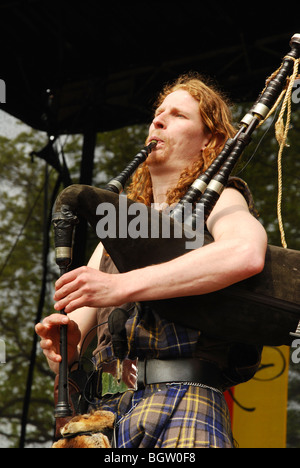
<point x="264" y="309"/>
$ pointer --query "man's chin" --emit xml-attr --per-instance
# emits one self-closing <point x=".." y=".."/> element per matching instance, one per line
<point x="157" y="158"/>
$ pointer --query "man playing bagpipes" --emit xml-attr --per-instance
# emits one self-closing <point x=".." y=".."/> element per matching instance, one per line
<point x="178" y="402"/>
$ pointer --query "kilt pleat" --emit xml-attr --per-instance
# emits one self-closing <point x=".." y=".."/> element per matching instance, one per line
<point x="171" y="416"/>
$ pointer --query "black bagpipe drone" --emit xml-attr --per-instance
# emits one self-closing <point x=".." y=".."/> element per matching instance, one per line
<point x="264" y="309"/>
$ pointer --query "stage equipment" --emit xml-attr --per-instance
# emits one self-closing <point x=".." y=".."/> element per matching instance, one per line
<point x="261" y="310"/>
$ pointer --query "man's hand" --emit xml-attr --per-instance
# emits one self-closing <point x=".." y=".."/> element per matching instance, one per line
<point x="49" y="332"/>
<point x="87" y="287"/>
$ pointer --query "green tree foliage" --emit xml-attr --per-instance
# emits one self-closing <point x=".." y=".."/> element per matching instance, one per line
<point x="26" y="186"/>
<point x="116" y="149"/>
<point x="21" y="231"/>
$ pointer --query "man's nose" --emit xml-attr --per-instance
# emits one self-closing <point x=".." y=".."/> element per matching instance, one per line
<point x="159" y="121"/>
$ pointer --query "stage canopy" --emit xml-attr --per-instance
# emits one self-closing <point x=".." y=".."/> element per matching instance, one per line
<point x="99" y="64"/>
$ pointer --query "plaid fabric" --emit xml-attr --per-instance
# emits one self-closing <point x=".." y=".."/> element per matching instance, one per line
<point x="151" y="337"/>
<point x="171" y="416"/>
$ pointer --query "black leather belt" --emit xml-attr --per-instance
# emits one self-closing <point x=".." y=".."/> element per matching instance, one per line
<point x="156" y="371"/>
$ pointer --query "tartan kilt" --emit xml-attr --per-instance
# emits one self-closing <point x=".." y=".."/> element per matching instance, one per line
<point x="170" y="416"/>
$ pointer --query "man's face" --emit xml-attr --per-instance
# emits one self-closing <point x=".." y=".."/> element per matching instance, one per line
<point x="179" y="130"/>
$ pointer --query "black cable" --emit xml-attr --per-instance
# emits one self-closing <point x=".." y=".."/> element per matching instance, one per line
<point x="85" y="338"/>
<point x="91" y="330"/>
<point x="83" y="357"/>
<point x="258" y="145"/>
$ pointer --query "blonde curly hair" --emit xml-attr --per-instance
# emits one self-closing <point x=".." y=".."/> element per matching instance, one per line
<point x="215" y="111"/>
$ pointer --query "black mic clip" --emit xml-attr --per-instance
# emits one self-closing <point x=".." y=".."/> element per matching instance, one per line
<point x="116" y="325"/>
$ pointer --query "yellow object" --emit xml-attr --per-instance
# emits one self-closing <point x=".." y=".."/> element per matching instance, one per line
<point x="259" y="411"/>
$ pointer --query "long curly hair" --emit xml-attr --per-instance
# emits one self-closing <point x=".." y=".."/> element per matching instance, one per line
<point x="215" y="111"/>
